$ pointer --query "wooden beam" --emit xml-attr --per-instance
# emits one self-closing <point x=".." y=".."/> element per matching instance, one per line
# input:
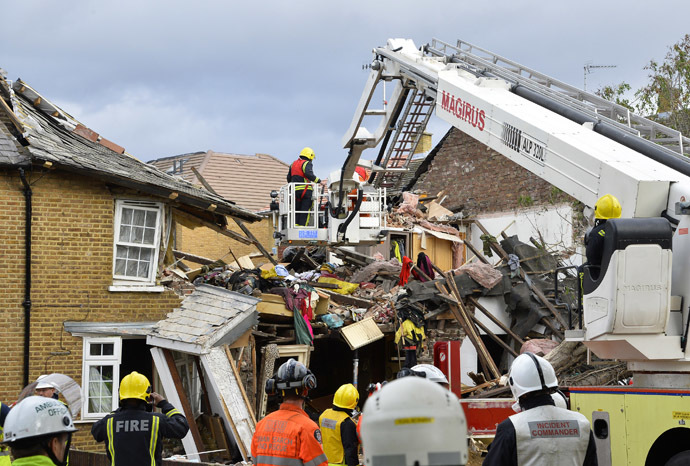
<point x="349" y="300"/>
<point x="460" y="314"/>
<point x="535" y="289"/>
<point x="474" y="250"/>
<point x="256" y="242"/>
<point x="239" y="382"/>
<point x="493" y="336"/>
<point x="496" y="321"/>
<point x="481" y="348"/>
<point x="203" y="181"/>
<point x="192" y="258"/>
<point x="212" y="226"/>
<point x="186" y="407"/>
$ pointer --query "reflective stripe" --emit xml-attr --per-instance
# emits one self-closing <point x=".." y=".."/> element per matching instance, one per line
<point x="281" y="461"/>
<point x="172" y="412"/>
<point x="111" y="447"/>
<point x="154" y="440"/>
<point x="316" y="461"/>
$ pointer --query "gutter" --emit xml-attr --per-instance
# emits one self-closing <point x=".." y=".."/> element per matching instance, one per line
<point x="27" y="274"/>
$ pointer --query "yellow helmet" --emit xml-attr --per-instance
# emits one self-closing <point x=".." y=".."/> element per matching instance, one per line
<point x="135" y="385"/>
<point x="346" y="396"/>
<point x="607" y="207"/>
<point x="308" y="153"/>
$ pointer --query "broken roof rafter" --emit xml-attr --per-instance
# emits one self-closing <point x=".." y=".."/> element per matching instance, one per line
<point x="52" y="139"/>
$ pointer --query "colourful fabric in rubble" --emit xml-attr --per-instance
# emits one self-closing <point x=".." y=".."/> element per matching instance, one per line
<point x="424" y="264"/>
<point x="345" y="287"/>
<point x="405" y="272"/>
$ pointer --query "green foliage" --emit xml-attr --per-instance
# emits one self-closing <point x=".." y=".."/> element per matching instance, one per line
<point x="666" y="97"/>
<point x="617" y="94"/>
<point x="525" y="200"/>
<point x="555" y="195"/>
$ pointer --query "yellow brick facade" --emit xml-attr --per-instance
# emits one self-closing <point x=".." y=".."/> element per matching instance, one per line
<point x="72" y="255"/>
<point x="207" y="243"/>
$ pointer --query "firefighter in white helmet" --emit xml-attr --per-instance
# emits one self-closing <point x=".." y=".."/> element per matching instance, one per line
<point x="39" y="431"/>
<point x="414" y="422"/>
<point x="432" y="373"/>
<point x="540" y="433"/>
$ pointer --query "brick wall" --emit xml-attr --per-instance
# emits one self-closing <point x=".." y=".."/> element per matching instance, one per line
<point x="207" y="243"/>
<point x="72" y="250"/>
<point x="482" y="180"/>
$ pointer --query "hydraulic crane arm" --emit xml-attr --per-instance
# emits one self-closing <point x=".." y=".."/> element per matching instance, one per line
<point x="552" y="135"/>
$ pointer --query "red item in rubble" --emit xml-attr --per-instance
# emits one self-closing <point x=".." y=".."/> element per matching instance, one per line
<point x="367" y="286"/>
<point x="405" y="272"/>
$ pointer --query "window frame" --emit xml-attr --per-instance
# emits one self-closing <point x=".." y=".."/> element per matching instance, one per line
<point x="88" y="361"/>
<point x="157" y="207"/>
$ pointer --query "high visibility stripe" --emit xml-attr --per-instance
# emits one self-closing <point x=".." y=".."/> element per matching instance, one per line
<point x="111" y="446"/>
<point x="154" y="440"/>
<point x="316" y="461"/>
<point x="172" y="412"/>
<point x="602" y="233"/>
<point x="280" y="461"/>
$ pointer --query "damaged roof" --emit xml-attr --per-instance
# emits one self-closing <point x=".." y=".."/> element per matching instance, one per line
<point x="210" y="316"/>
<point x="246" y="179"/>
<point x="55" y="137"/>
<point x="9" y="155"/>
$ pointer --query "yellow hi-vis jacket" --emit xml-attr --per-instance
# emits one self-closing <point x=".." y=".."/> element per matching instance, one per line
<point x="4" y="451"/>
<point x="330" y="422"/>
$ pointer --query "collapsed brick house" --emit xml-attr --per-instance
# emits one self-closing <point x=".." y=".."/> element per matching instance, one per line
<point x="86" y="232"/>
<point x="246" y="179"/>
<point x="482" y="184"/>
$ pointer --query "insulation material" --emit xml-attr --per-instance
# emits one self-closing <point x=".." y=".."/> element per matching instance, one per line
<point x="409" y="204"/>
<point x="538" y="346"/>
<point x="369" y="272"/>
<point x="482" y="273"/>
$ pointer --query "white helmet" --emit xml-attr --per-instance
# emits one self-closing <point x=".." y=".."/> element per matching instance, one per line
<point x="42" y="383"/>
<point x="414" y="421"/>
<point x="531" y="373"/>
<point x="35" y="416"/>
<point x="432" y="373"/>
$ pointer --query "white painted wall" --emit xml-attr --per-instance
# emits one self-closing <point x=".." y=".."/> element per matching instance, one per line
<point x="555" y="225"/>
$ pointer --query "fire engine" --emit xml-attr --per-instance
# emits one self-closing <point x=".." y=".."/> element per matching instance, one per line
<point x="636" y="305"/>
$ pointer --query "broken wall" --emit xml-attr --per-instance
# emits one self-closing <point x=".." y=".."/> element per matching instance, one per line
<point x="205" y="242"/>
<point x="482" y="180"/>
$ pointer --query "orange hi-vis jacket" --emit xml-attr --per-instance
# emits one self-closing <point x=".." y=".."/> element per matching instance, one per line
<point x="287" y="437"/>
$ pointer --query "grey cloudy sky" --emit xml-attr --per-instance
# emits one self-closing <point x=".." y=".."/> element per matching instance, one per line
<point x="168" y="77"/>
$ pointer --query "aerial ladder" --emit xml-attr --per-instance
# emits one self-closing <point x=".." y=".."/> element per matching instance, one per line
<point x="635" y="308"/>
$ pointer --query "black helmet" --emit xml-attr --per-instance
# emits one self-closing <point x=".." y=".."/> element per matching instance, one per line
<point x="291" y="375"/>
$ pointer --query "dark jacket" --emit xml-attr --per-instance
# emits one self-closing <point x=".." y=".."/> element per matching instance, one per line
<point x="594" y="241"/>
<point x="133" y="435"/>
<point x="503" y="449"/>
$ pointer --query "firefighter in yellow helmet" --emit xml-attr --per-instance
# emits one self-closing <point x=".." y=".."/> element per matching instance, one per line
<point x="607" y="207"/>
<point x="133" y="434"/>
<point x="302" y="171"/>
<point x="338" y="430"/>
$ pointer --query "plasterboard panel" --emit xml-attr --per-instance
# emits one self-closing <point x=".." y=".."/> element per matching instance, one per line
<point x="223" y="387"/>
